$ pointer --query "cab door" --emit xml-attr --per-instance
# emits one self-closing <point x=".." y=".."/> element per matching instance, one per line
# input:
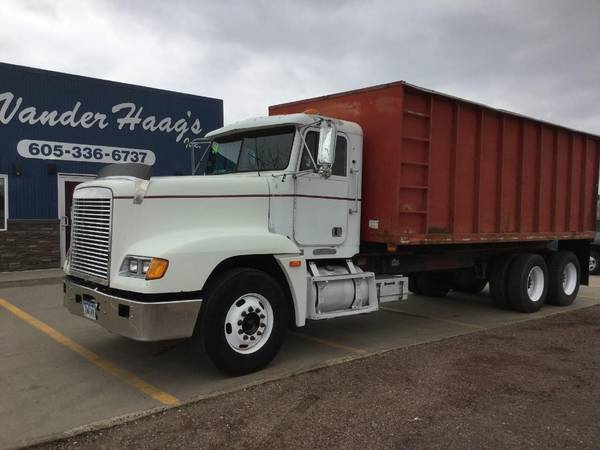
<point x="321" y="205"/>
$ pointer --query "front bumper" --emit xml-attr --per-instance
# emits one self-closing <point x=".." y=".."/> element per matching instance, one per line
<point x="142" y="321"/>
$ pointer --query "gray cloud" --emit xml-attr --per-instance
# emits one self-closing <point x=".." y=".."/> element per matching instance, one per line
<point x="539" y="58"/>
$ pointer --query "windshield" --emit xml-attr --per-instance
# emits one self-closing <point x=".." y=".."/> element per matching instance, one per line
<point x="251" y="151"/>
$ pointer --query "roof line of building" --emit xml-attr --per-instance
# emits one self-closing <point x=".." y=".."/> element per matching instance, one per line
<point x="63" y="75"/>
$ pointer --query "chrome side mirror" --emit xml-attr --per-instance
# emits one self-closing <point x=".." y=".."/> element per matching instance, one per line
<point x="326" y="150"/>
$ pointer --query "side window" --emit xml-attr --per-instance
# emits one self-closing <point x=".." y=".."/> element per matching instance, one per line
<point x="341" y="153"/>
<point x="312" y="142"/>
<point x="3" y="201"/>
<point x="339" y="165"/>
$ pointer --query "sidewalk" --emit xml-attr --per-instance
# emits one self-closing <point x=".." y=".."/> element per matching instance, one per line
<point x="30" y="277"/>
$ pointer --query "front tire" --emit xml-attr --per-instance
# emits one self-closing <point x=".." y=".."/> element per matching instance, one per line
<point x="244" y="320"/>
<point x="528" y="283"/>
<point x="564" y="273"/>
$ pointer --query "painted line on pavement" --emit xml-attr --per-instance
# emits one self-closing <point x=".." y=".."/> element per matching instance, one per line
<point x="356" y="350"/>
<point x="449" y="321"/>
<point x="110" y="367"/>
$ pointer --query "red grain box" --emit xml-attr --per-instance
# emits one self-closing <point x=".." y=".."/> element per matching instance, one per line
<point x="440" y="170"/>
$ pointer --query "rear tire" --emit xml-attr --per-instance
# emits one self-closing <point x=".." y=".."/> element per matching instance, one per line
<point x="528" y="283"/>
<point x="499" y="281"/>
<point x="594" y="262"/>
<point x="564" y="273"/>
<point x="412" y="285"/>
<point x="465" y="280"/>
<point x="433" y="284"/>
<point x="234" y="298"/>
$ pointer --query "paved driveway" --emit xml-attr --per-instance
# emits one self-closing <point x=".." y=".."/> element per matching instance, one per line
<point x="60" y="372"/>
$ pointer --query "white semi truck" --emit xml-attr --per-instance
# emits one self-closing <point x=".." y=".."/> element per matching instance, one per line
<point x="242" y="245"/>
<point x="270" y="237"/>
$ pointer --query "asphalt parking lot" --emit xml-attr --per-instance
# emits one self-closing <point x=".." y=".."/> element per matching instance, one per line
<point x="61" y="373"/>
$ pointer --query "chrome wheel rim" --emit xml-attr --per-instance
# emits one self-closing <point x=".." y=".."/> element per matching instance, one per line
<point x="569" y="278"/>
<point x="248" y="323"/>
<point x="535" y="283"/>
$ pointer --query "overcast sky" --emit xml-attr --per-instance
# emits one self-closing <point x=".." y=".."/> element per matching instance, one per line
<point x="540" y="58"/>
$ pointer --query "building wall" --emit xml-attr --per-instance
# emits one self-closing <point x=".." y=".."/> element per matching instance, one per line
<point x="29" y="244"/>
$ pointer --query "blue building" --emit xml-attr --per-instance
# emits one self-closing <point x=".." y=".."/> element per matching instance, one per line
<point x="58" y="130"/>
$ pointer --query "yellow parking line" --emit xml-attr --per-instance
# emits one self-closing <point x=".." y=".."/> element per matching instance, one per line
<point x="112" y="368"/>
<point x="452" y="322"/>
<point x="358" y="351"/>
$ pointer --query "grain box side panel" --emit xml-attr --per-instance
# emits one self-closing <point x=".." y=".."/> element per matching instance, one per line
<point x="488" y="200"/>
<point x="529" y="176"/>
<point x="441" y="197"/>
<point x="466" y="162"/>
<point x="511" y="167"/>
<point x="414" y="179"/>
<point x="546" y="179"/>
<point x="576" y="176"/>
<point x="562" y="171"/>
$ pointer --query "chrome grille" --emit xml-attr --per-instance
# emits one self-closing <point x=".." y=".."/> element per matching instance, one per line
<point x="90" y="236"/>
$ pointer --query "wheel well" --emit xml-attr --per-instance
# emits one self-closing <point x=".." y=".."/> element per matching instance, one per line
<point x="265" y="263"/>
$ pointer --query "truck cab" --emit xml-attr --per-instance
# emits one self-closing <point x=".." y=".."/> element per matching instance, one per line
<point x="262" y="241"/>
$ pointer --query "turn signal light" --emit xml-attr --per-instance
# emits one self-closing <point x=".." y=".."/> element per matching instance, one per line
<point x="157" y="269"/>
<point x="295" y="263"/>
<point x="392" y="248"/>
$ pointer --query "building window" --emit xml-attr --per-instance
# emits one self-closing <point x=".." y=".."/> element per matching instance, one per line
<point x="3" y="201"/>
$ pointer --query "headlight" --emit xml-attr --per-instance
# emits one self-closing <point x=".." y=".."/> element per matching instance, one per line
<point x="144" y="267"/>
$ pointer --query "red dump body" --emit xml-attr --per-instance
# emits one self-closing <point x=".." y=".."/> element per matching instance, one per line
<point x="439" y="170"/>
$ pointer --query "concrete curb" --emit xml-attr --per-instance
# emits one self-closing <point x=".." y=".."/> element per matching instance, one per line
<point x="32" y="282"/>
<point x="30" y="278"/>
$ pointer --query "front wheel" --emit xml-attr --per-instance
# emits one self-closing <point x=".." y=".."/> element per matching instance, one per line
<point x="244" y="320"/>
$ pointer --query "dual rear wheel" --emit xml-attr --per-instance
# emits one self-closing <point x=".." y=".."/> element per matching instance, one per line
<point x="526" y="281"/>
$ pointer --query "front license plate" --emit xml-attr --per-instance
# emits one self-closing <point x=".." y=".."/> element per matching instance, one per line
<point x="89" y="309"/>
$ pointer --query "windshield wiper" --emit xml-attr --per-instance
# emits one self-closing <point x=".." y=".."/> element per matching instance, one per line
<point x="258" y="162"/>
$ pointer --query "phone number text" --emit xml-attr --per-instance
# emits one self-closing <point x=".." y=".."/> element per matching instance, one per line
<point x="83" y="152"/>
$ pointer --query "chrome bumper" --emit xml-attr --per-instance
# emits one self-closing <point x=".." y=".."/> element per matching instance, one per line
<point x="156" y="321"/>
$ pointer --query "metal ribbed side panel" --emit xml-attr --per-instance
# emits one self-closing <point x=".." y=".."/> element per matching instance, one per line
<point x="90" y="236"/>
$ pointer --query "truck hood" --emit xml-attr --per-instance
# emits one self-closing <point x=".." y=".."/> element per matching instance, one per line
<point x="184" y="186"/>
<point x="181" y="216"/>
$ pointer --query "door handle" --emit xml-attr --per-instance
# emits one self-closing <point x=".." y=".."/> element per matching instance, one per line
<point x="65" y="221"/>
